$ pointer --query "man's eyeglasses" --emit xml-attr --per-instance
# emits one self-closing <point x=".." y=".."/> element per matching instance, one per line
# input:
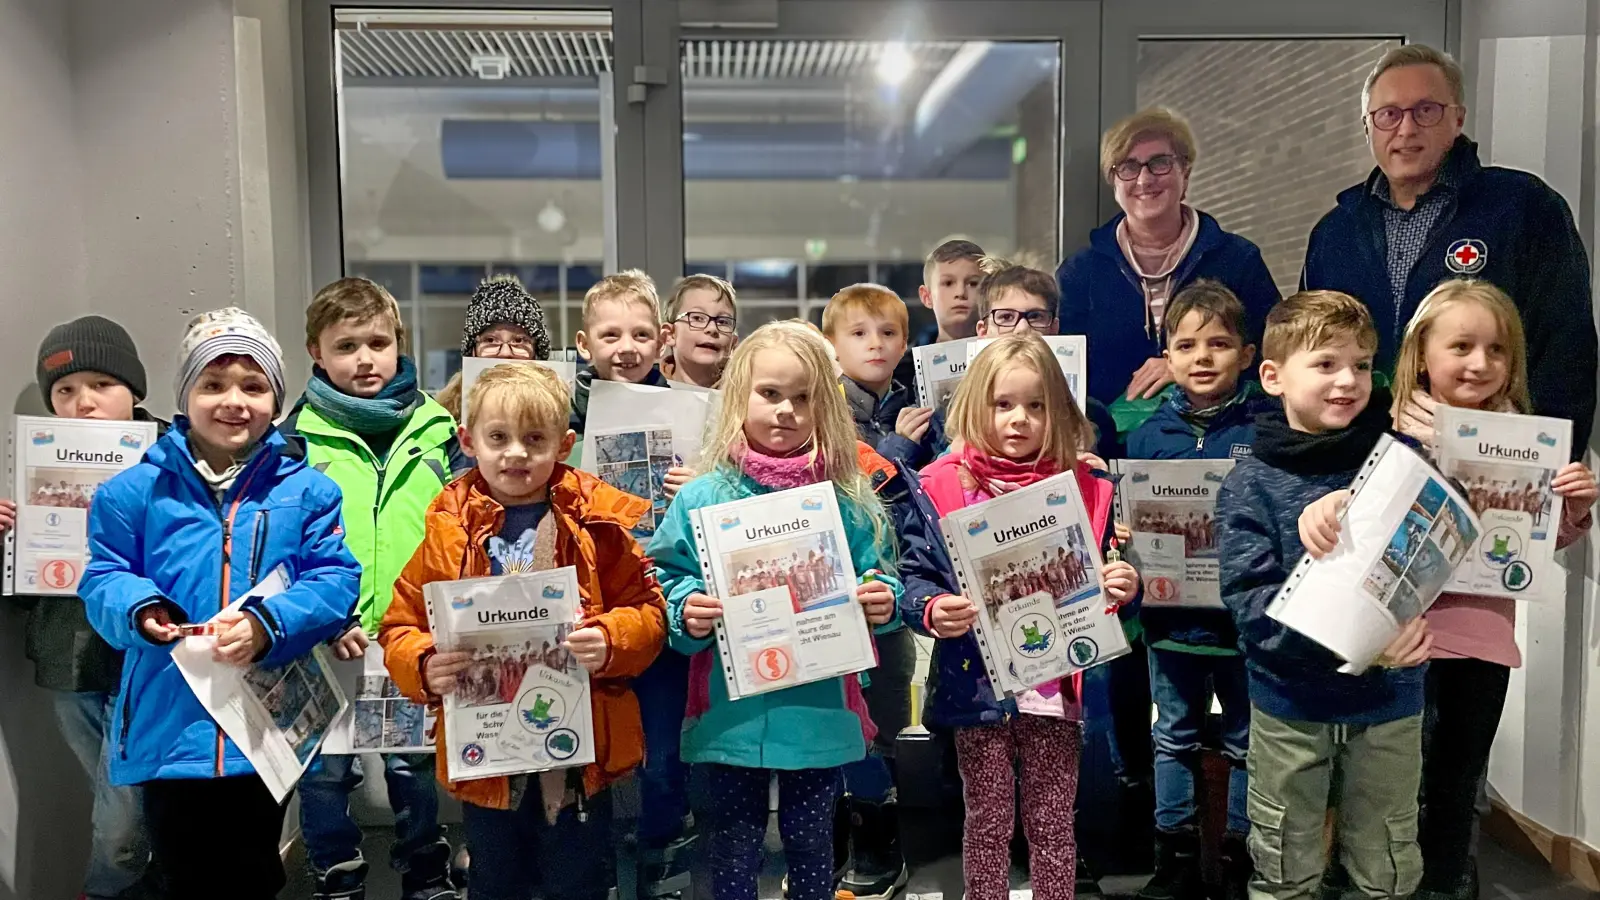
<point x="1160" y="164"/>
<point x="699" y="321"/>
<point x="517" y="346"/>
<point x="1037" y="319"/>
<point x="1426" y="114"/>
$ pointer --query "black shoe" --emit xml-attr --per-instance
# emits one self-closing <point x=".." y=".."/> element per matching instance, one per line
<point x="1177" y="874"/>
<point x="877" y="870"/>
<point x="1237" y="867"/>
<point x="346" y="881"/>
<point x="842" y="829"/>
<point x="666" y="871"/>
<point x="1088" y="885"/>
<point x="427" y="875"/>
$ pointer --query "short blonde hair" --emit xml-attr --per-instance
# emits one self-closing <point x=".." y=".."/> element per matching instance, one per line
<point x="872" y="299"/>
<point x="1416" y="55"/>
<point x="699" y="281"/>
<point x="352" y="298"/>
<point x="971" y="415"/>
<point x="627" y="286"/>
<point x="531" y="395"/>
<point x="1411" y="369"/>
<point x="1312" y="319"/>
<point x="1152" y="122"/>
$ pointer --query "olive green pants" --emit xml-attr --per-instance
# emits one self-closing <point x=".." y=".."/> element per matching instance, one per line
<point x="1368" y="774"/>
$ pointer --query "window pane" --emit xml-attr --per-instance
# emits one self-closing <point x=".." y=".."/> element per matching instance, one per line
<point x="439" y="357"/>
<point x="828" y="279"/>
<point x="1278" y="127"/>
<point x="462" y="278"/>
<point x="777" y="279"/>
<point x="543" y="280"/>
<point x="753" y="316"/>
<point x="849" y="150"/>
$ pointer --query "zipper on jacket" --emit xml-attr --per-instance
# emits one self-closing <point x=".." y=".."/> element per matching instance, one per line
<point x="241" y="484"/>
<point x="258" y="546"/>
<point x="127" y="709"/>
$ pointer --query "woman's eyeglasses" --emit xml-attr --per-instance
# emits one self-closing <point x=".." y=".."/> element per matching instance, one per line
<point x="1037" y="319"/>
<point x="1160" y="164"/>
<point x="699" y="321"/>
<point x="519" y="347"/>
<point x="1426" y="114"/>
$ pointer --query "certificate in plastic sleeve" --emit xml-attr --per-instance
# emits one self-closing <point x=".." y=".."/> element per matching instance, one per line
<point x="1171" y="506"/>
<point x="939" y="368"/>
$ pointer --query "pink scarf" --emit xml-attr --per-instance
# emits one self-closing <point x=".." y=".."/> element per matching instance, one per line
<point x="998" y="475"/>
<point x="780" y="472"/>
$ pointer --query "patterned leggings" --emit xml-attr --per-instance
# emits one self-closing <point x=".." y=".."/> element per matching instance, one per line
<point x="739" y="827"/>
<point x="1049" y="750"/>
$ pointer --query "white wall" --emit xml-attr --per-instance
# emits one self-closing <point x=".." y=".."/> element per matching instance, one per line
<point x="1528" y="77"/>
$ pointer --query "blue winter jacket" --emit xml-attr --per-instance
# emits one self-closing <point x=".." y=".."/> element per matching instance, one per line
<point x="1228" y="434"/>
<point x="158" y="536"/>
<point x="1101" y="298"/>
<point x="808" y="726"/>
<point x="1526" y="244"/>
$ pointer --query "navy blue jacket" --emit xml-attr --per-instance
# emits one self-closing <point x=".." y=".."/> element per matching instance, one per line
<point x="913" y="455"/>
<point x="1533" y="253"/>
<point x="1229" y="434"/>
<point x="1292" y="676"/>
<point x="1102" y="299"/>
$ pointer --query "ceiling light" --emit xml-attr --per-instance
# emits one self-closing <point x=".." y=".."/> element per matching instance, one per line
<point x="551" y="218"/>
<point x="491" y="66"/>
<point x="894" y="64"/>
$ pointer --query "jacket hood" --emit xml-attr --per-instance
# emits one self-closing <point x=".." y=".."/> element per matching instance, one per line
<point x="580" y="495"/>
<point x="1461" y="161"/>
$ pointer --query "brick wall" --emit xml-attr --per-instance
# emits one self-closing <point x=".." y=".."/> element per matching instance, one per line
<point x="1278" y="127"/>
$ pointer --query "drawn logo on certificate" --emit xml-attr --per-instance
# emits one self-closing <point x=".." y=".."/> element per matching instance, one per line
<point x="773" y="664"/>
<point x="1517" y="576"/>
<point x="540" y="708"/>
<point x="1054" y="498"/>
<point x="1032" y="635"/>
<point x="562" y="744"/>
<point x="473" y="755"/>
<point x="758" y="606"/>
<point x="728" y="521"/>
<point x="1162" y="588"/>
<point x="53" y="519"/>
<point x="811" y="503"/>
<point x="1501" y="546"/>
<point x="1083" y="651"/>
<point x="44" y="436"/>
<point x="58" y="573"/>
<point x="130" y="440"/>
<point x="460" y="602"/>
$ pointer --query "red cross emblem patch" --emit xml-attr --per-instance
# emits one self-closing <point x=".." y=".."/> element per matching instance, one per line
<point x="1467" y="256"/>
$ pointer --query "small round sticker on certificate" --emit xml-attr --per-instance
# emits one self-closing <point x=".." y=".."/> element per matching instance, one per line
<point x="772" y="664"/>
<point x="58" y="574"/>
<point x="540" y="709"/>
<point x="1162" y="589"/>
<point x="562" y="744"/>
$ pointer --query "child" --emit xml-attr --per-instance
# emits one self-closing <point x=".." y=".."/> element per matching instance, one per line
<point x="866" y="324"/>
<point x="782" y="424"/>
<point x="503" y="322"/>
<point x="1193" y="653"/>
<point x="523" y="510"/>
<point x="950" y="278"/>
<point x="1017" y="424"/>
<point x="1464" y="347"/>
<point x="88" y="369"/>
<point x="163" y="553"/>
<point x="1319" y="739"/>
<point x="390" y="449"/>
<point x="620" y="338"/>
<point x="699" y="330"/>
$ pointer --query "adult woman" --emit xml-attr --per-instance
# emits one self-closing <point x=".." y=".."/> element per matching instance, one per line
<point x="503" y="321"/>
<point x="1115" y="290"/>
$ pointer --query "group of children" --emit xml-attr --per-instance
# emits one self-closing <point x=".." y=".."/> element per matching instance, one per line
<point x="368" y="490"/>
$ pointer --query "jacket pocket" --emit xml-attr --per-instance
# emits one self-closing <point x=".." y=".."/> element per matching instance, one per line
<point x="130" y="691"/>
<point x="1405" y="854"/>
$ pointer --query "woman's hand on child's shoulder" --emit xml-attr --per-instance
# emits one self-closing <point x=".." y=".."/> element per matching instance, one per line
<point x="677" y="477"/>
<point x="700" y="614"/>
<point x="8" y="515"/>
<point x="952" y="616"/>
<point x="1121" y="580"/>
<point x="240" y="638"/>
<point x="1576" y="486"/>
<point x="1319" y="523"/>
<point x="911" y="423"/>
<point x="440" y="671"/>
<point x="156" y="624"/>
<point x="877" y="601"/>
<point x="589" y="646"/>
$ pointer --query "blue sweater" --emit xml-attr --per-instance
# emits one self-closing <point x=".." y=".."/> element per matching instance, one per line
<point x="1533" y="252"/>
<point x="1292" y="676"/>
<point x="1228" y="434"/>
<point x="1102" y="299"/>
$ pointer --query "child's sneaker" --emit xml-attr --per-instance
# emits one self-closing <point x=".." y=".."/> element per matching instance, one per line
<point x="346" y="881"/>
<point x="877" y="870"/>
<point x="427" y="875"/>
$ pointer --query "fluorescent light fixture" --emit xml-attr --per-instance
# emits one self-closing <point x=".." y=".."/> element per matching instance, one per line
<point x="894" y="64"/>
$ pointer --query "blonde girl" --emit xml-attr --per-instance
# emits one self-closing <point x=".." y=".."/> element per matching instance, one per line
<point x="1464" y="347"/>
<point x="783" y="423"/>
<point x="1014" y="423"/>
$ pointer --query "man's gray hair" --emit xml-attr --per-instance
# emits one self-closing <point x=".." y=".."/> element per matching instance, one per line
<point x="1417" y="55"/>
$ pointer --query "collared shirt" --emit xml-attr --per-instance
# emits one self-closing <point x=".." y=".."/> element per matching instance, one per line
<point x="1406" y="231"/>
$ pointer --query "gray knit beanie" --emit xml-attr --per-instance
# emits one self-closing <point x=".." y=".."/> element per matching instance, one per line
<point x="229" y="331"/>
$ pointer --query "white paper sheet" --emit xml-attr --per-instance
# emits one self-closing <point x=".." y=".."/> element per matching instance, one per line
<point x="939" y="368"/>
<point x="379" y="719"/>
<point x="635" y="433"/>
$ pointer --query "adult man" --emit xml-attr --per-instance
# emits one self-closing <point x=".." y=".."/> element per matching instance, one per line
<point x="1431" y="211"/>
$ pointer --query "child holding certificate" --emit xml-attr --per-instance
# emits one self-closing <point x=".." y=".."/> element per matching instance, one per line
<point x="217" y="504"/>
<point x="783" y="424"/>
<point x="522" y="510"/>
<point x="1016" y="424"/>
<point x="1464" y="348"/>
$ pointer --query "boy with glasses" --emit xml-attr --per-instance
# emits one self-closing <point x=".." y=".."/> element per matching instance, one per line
<point x="699" y="334"/>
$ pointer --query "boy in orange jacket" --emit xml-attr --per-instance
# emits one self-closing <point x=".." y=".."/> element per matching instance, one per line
<point x="522" y="510"/>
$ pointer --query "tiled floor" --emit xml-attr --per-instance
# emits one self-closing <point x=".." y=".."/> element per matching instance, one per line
<point x="1504" y="877"/>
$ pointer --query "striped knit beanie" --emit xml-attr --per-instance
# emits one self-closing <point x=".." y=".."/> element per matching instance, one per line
<point x="502" y="300"/>
<point x="229" y="331"/>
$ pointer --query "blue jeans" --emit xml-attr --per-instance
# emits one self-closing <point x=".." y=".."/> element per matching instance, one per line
<point x="121" y="848"/>
<point x="1182" y="685"/>
<point x="517" y="854"/>
<point x="332" y="836"/>
<point x="663" y="692"/>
